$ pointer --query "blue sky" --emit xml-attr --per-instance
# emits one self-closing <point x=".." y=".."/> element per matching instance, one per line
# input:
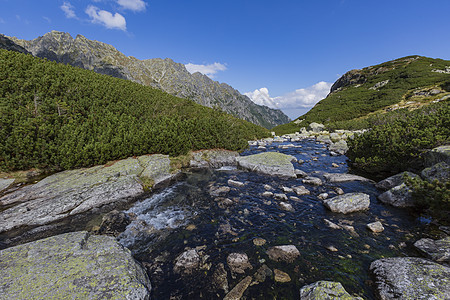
<point x="281" y="53"/>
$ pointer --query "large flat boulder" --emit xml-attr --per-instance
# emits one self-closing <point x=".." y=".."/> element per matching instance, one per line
<point x="348" y="203"/>
<point x="77" y="191"/>
<point x="270" y="163"/>
<point x="329" y="290"/>
<point x="72" y="266"/>
<point x="410" y="278"/>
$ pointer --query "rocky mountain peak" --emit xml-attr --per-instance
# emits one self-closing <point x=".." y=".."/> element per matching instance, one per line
<point x="164" y="74"/>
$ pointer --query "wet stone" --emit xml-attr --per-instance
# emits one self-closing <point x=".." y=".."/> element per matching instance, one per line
<point x="259" y="241"/>
<point x="300" y="173"/>
<point x="286" y="206"/>
<point x="281" y="197"/>
<point x="238" y="262"/>
<point x="287" y="189"/>
<point x="220" y="280"/>
<point x="312" y="181"/>
<point x="287" y="253"/>
<point x="187" y="262"/>
<point x="263" y="272"/>
<point x="235" y="183"/>
<point x="301" y="190"/>
<point x="238" y="291"/>
<point x="267" y="194"/>
<point x="437" y="250"/>
<point x="348" y="203"/>
<point x="331" y="224"/>
<point x="217" y="191"/>
<point x="281" y="276"/>
<point x="375" y="227"/>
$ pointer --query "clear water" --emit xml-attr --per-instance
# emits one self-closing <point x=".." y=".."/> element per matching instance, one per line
<point x="186" y="216"/>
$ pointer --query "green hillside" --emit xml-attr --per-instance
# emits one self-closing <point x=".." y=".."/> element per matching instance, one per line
<point x="406" y="82"/>
<point x="59" y="117"/>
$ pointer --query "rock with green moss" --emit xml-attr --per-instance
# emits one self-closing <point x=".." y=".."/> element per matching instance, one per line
<point x="77" y="191"/>
<point x="410" y="278"/>
<point x="437" y="155"/>
<point x="393" y="181"/>
<point x="270" y="163"/>
<point x="348" y="203"/>
<point x="328" y="290"/>
<point x="214" y="158"/>
<point x="340" y="147"/>
<point x="156" y="169"/>
<point x="72" y="266"/>
<point x="437" y="250"/>
<point x="439" y="171"/>
<point x="398" y="196"/>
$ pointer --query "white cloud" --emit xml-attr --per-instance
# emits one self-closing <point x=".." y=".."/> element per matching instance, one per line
<point x="47" y="19"/>
<point x="134" y="5"/>
<point x="68" y="10"/>
<point x="208" y="70"/>
<point x="301" y="98"/>
<point x="107" y="19"/>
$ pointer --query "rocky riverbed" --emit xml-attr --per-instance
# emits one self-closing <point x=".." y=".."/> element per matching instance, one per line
<point x="284" y="220"/>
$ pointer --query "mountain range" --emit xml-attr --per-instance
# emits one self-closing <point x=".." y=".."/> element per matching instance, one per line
<point x="163" y="74"/>
<point x="409" y="82"/>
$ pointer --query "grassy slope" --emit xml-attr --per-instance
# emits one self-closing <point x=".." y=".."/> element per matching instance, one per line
<point x="59" y="117"/>
<point x="405" y="75"/>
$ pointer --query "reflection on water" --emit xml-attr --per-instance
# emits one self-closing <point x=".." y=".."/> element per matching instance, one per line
<point x="186" y="216"/>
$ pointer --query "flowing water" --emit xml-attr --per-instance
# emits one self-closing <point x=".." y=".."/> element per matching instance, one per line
<point x="186" y="216"/>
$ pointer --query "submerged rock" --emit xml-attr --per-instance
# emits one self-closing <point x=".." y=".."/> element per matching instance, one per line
<point x="348" y="203"/>
<point x="286" y="206"/>
<point x="399" y="196"/>
<point x="237" y="292"/>
<point x="238" y="262"/>
<point x="325" y="290"/>
<point x="220" y="280"/>
<point x="287" y="253"/>
<point x="74" y="265"/>
<point x="262" y="273"/>
<point x="410" y="278"/>
<point x="437" y="250"/>
<point x="270" y="163"/>
<point x="235" y="183"/>
<point x="114" y="223"/>
<point x="281" y="276"/>
<point x="187" y="262"/>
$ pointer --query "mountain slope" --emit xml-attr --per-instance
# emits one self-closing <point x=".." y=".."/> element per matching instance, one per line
<point x="409" y="82"/>
<point x="163" y="74"/>
<point x="56" y="117"/>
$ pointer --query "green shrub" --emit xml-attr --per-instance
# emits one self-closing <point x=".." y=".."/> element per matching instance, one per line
<point x="398" y="143"/>
<point x="59" y="117"/>
<point x="434" y="196"/>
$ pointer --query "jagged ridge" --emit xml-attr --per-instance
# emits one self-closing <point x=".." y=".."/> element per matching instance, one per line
<point x="163" y="74"/>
